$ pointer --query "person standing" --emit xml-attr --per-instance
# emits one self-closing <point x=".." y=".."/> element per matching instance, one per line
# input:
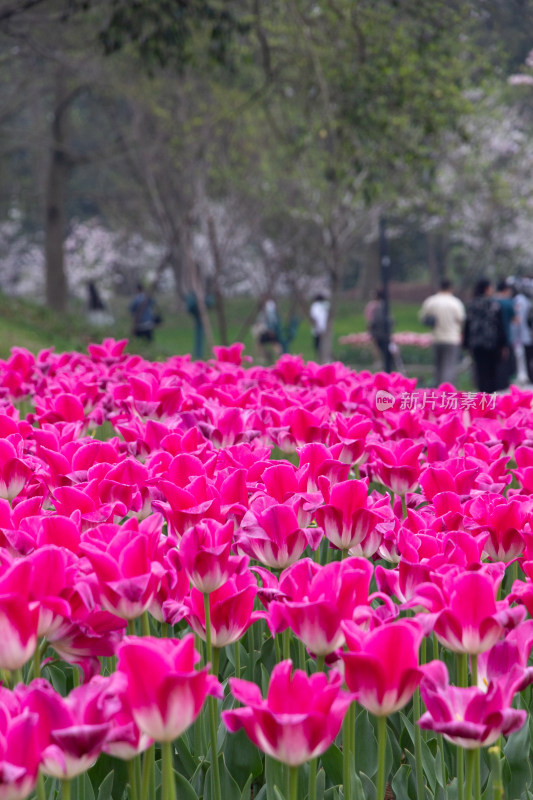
<point x="522" y="337"/>
<point x="507" y="363"/>
<point x="380" y="326"/>
<point x="446" y="315"/>
<point x="319" y="313"/>
<point x="144" y="313"/>
<point x="484" y="335"/>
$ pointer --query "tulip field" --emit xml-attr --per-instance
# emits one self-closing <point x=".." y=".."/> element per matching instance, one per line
<point x="234" y="582"/>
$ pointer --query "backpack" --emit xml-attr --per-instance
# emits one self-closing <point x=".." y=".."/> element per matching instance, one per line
<point x="484" y="324"/>
<point x="380" y="328"/>
<point x="529" y="317"/>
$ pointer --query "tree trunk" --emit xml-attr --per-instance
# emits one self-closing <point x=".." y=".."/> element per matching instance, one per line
<point x="197" y="284"/>
<point x="335" y="277"/>
<point x="219" y="299"/>
<point x="371" y="270"/>
<point x="55" y="215"/>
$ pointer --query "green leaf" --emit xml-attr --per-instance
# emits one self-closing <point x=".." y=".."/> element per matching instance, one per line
<point x="366" y="747"/>
<point x="403" y="785"/>
<point x="242" y="758"/>
<point x="184" y="789"/>
<point x="105" y="791"/>
<point x="246" y="792"/>
<point x="320" y="784"/>
<point x="517" y="769"/>
<point x="332" y="763"/>
<point x="229" y="789"/>
<point x="185" y="761"/>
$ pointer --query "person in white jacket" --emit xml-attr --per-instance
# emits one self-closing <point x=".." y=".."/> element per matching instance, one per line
<point x="445" y="314"/>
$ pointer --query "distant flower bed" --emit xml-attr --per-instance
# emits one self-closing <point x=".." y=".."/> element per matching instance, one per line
<point x="401" y="338"/>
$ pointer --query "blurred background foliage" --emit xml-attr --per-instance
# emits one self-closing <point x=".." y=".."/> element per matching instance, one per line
<point x="239" y="149"/>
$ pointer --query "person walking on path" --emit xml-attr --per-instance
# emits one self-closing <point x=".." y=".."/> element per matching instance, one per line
<point x="484" y="335"/>
<point x="319" y="313"/>
<point x="144" y="312"/>
<point x="445" y="313"/>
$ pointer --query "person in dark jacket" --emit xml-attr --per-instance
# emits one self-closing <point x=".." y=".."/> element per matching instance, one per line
<point x="484" y="335"/>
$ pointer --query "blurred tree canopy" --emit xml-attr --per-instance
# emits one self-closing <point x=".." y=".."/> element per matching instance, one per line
<point x="258" y="144"/>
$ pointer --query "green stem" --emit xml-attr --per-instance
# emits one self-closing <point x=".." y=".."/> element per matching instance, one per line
<point x="420" y="792"/>
<point x="169" y="784"/>
<point x="462" y="679"/>
<point x="41" y="794"/>
<point x="134" y="789"/>
<point x="347" y="750"/>
<point x="477" y="774"/>
<point x="147" y="773"/>
<point x="212" y="701"/>
<point x="145" y="624"/>
<point x="130" y="630"/>
<point x="320" y="663"/>
<point x="470" y="761"/>
<point x="292" y="793"/>
<point x="286" y="640"/>
<point x="302" y="654"/>
<point x="496" y="773"/>
<point x="382" y="749"/>
<point x="207" y="614"/>
<point x="237" y="652"/>
<point x="277" y="648"/>
<point x="404" y="506"/>
<point x="65" y="790"/>
<point x="440" y="740"/>
<point x="473" y="667"/>
<point x="164" y="630"/>
<point x="312" y="778"/>
<point x="37" y="661"/>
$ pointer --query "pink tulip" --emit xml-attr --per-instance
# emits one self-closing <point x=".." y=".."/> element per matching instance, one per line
<point x="317" y="462"/>
<point x="300" y="717"/>
<point x="315" y="600"/>
<point x="205" y="555"/>
<point x="271" y="534"/>
<point x="471" y="620"/>
<point x="469" y="717"/>
<point x="347" y="519"/>
<point x="397" y="465"/>
<point x="231" y="610"/>
<point x="507" y="662"/>
<point x="128" y="575"/>
<point x="20" y="753"/>
<point x="352" y="433"/>
<point x="14" y="470"/>
<point x="504" y="520"/>
<point x="168" y="703"/>
<point x="381" y="666"/>
<point x="124" y="739"/>
<point x="71" y="731"/>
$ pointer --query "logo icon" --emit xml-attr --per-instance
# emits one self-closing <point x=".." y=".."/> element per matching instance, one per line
<point x="384" y="400"/>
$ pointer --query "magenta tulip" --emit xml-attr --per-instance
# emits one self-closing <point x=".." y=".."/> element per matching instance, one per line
<point x="314" y="600"/>
<point x="468" y="717"/>
<point x="472" y="621"/>
<point x="165" y="690"/>
<point x="231" y="610"/>
<point x="205" y="555"/>
<point x="381" y="667"/>
<point x="300" y="717"/>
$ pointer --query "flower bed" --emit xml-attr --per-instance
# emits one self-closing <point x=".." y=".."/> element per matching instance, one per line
<point x="287" y="582"/>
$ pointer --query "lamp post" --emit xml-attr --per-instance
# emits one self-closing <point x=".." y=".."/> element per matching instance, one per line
<point x="385" y="264"/>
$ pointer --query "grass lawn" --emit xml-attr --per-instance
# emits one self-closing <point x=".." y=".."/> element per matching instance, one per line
<point x="25" y="324"/>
